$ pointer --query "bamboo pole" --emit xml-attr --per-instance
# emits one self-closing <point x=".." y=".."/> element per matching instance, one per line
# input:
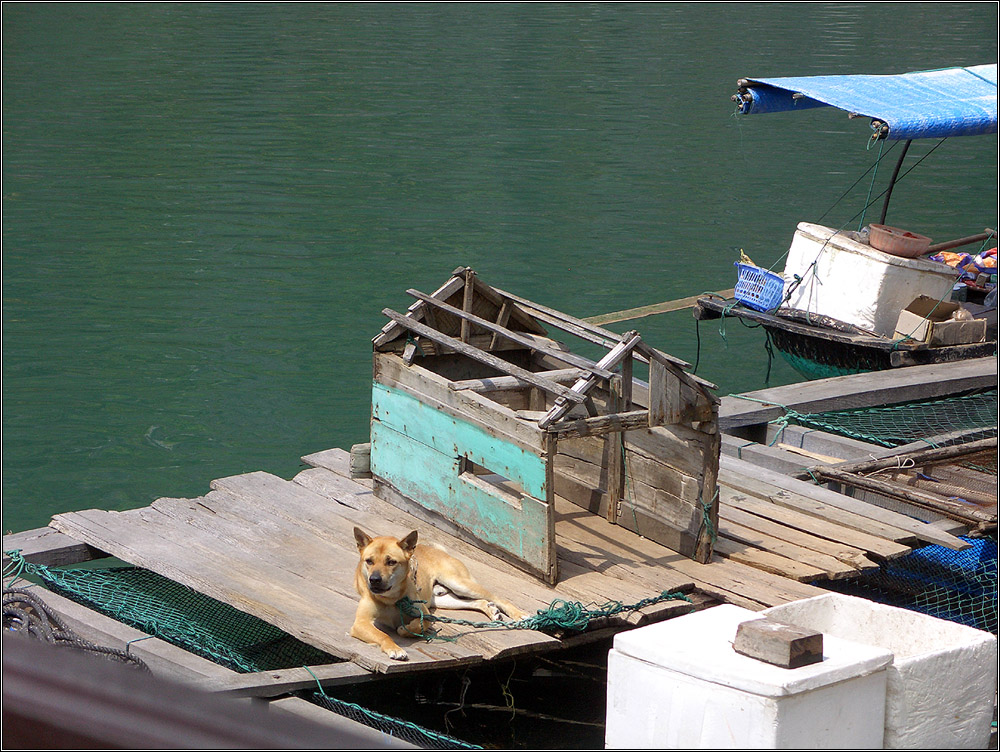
<point x="651" y="310"/>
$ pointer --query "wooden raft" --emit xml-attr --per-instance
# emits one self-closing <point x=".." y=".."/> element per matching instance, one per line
<point x="284" y="552"/>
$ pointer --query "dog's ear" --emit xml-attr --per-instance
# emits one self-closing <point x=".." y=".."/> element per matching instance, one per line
<point x="362" y="538"/>
<point x="409" y="542"/>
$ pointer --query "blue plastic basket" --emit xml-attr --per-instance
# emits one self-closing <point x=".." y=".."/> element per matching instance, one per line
<point x="758" y="288"/>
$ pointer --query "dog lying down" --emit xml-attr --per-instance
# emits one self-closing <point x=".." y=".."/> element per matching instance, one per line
<point x="390" y="569"/>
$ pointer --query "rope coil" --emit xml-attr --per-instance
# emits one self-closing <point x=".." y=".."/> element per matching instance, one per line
<point x="26" y="614"/>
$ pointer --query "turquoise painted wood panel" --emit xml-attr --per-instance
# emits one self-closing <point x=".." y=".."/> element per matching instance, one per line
<point x="433" y="479"/>
<point x="457" y="438"/>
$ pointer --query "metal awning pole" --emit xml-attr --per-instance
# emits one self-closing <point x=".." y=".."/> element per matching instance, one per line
<point x="892" y="182"/>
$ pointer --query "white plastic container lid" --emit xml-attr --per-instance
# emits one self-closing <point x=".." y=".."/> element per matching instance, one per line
<point x="700" y="645"/>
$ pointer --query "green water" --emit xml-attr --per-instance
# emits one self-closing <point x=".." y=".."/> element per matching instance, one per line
<point x="206" y="207"/>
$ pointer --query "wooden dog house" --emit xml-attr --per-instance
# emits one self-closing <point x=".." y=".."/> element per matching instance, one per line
<point x="480" y="419"/>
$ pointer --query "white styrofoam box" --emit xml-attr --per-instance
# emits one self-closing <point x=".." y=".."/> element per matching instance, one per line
<point x="856" y="283"/>
<point x="679" y="684"/>
<point x="942" y="683"/>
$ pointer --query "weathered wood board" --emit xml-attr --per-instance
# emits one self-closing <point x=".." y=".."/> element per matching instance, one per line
<point x="423" y="453"/>
<point x="846" y="392"/>
<point x="819" y="501"/>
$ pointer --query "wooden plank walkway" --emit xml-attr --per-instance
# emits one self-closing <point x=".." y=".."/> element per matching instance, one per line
<point x="284" y="551"/>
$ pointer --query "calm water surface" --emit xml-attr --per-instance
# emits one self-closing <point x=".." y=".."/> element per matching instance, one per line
<point x="206" y="207"/>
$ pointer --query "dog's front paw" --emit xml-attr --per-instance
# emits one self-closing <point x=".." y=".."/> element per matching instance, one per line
<point x="396" y="653"/>
<point x="495" y="613"/>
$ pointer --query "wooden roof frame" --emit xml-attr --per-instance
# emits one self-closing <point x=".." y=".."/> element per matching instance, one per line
<point x="674" y="394"/>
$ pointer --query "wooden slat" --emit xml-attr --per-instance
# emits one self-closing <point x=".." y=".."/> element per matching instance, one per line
<point x="583" y="385"/>
<point x="661" y="408"/>
<point x="832" y="531"/>
<point x="284" y="681"/>
<point x="928" y="500"/>
<point x="806" y="505"/>
<point x="819" y="441"/>
<point x="579" y="327"/>
<point x="392" y="330"/>
<point x="602" y="424"/>
<point x="588" y="463"/>
<point x="926" y="455"/>
<point x="415" y="420"/>
<point x="504" y="383"/>
<point x="484" y="357"/>
<point x="767" y="561"/>
<point x="650" y="310"/>
<point x="49" y="548"/>
<point x="503" y="314"/>
<point x="576" y="327"/>
<point x="532" y="343"/>
<point x="729" y="581"/>
<point x="337" y="461"/>
<point x="839" y="559"/>
<point x="470" y="279"/>
<point x="435" y="391"/>
<point x="615" y="452"/>
<point x="493" y="297"/>
<point x="679" y="367"/>
<point x="921" y="530"/>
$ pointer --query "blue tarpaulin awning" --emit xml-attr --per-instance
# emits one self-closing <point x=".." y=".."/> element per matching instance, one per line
<point x="922" y="104"/>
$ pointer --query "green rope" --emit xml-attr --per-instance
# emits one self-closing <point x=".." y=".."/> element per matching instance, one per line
<point x="871" y="186"/>
<point x="570" y="616"/>
<point x="14" y="569"/>
<point x="411" y="341"/>
<point x="706" y="509"/>
<point x="860" y="178"/>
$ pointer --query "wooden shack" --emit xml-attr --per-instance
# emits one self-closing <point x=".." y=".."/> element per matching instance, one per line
<point x="480" y="419"/>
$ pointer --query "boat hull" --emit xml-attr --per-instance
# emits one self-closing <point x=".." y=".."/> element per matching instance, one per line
<point x="818" y="347"/>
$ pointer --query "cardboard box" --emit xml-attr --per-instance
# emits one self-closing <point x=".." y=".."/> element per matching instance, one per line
<point x="929" y="320"/>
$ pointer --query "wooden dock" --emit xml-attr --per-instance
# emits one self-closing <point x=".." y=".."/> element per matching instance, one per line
<point x="284" y="551"/>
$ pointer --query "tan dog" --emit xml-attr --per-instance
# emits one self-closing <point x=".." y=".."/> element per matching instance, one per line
<point x="390" y="569"/>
